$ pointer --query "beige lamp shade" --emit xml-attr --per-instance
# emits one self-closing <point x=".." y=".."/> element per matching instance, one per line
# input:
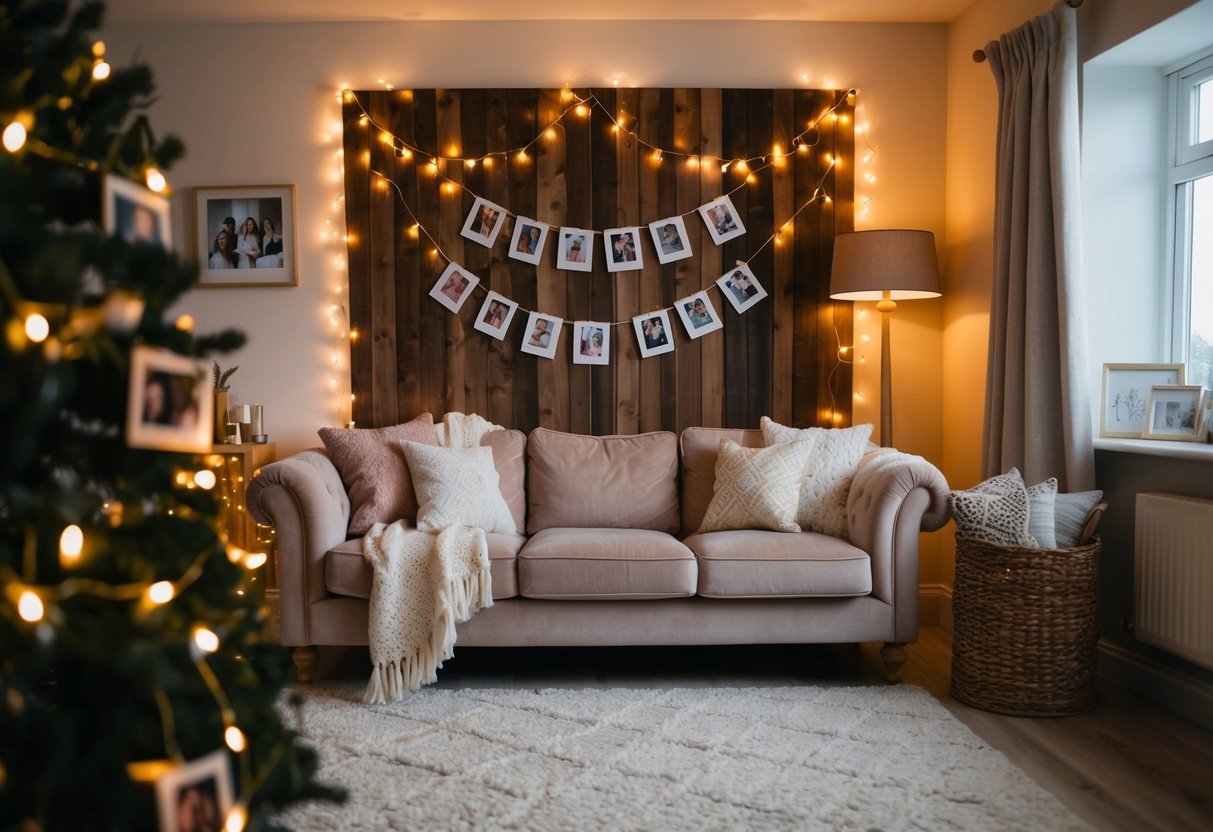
<point x="867" y="264"/>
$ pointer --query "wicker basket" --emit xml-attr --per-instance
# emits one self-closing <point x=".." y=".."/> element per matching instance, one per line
<point x="1025" y="628"/>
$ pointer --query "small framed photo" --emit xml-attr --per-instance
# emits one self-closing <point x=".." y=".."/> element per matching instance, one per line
<point x="653" y="333"/>
<point x="484" y="222"/>
<point x="591" y="342"/>
<point x="245" y="236"/>
<point x="169" y="406"/>
<point x="698" y="315"/>
<point x="1174" y="412"/>
<point x="542" y="334"/>
<point x="527" y="243"/>
<point x="576" y="250"/>
<point x="195" y="796"/>
<point x="670" y="239"/>
<point x="1206" y="433"/>
<point x="454" y="286"/>
<point x="495" y="315"/>
<point x="741" y="287"/>
<point x="135" y="213"/>
<point x="1126" y="394"/>
<point x="721" y="218"/>
<point x="623" y="249"/>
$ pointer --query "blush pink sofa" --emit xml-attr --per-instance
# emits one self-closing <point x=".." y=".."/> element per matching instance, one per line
<point x="607" y="554"/>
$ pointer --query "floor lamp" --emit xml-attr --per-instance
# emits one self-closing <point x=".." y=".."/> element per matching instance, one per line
<point x="885" y="266"/>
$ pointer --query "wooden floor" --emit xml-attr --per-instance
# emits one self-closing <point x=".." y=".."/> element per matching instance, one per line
<point x="1127" y="765"/>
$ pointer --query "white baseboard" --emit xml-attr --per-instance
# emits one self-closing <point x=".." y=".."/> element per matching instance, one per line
<point x="935" y="606"/>
<point x="1167" y="688"/>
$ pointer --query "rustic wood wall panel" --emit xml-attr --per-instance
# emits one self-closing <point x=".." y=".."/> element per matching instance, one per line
<point x="778" y="358"/>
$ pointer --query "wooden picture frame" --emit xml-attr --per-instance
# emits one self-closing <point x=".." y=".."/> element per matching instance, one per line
<point x="1174" y="412"/>
<point x="266" y="256"/>
<point x="1126" y="393"/>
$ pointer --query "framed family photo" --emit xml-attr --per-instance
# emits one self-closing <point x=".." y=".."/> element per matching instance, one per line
<point x="653" y="333"/>
<point x="591" y="342"/>
<point x="135" y="213"/>
<point x="576" y="250"/>
<point x="1126" y="394"/>
<point x="453" y="287"/>
<point x="741" y="287"/>
<point x="195" y="796"/>
<point x="527" y="243"/>
<point x="1174" y="412"/>
<point x="698" y="315"/>
<point x="670" y="239"/>
<point x="623" y="252"/>
<point x="495" y="315"/>
<point x="722" y="220"/>
<point x="484" y="222"/>
<point x="169" y="406"/>
<point x="541" y="335"/>
<point x="245" y="236"/>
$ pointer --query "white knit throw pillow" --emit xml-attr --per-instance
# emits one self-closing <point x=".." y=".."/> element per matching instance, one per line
<point x="457" y="486"/>
<point x="757" y="488"/>
<point x="823" y="494"/>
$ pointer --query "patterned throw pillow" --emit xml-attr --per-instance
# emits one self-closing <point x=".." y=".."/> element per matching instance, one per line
<point x="372" y="469"/>
<point x="457" y="487"/>
<point x="1071" y="514"/>
<point x="995" y="511"/>
<point x="1042" y="498"/>
<point x="757" y="488"/>
<point x="823" y="494"/>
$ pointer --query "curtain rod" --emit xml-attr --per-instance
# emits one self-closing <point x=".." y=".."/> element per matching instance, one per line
<point x="979" y="55"/>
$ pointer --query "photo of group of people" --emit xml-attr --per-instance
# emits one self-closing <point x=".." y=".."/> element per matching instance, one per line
<point x="741" y="288"/>
<point x="244" y="236"/>
<point x="653" y="333"/>
<point x="527" y="242"/>
<point x="698" y="315"/>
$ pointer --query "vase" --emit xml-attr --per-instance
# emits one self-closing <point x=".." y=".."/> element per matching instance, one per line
<point x="220" y="418"/>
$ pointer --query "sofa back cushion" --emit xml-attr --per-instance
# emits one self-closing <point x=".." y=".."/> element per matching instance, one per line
<point x="699" y="449"/>
<point x="619" y="482"/>
<point x="509" y="457"/>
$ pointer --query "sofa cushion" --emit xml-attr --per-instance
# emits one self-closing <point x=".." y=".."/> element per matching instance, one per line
<point x="605" y="564"/>
<point x="700" y="447"/>
<point x="618" y="482"/>
<point x="995" y="511"/>
<point x="509" y="458"/>
<point x="346" y="571"/>
<point x="760" y="564"/>
<point x="457" y="486"/>
<point x="757" y="488"/>
<point x="372" y="468"/>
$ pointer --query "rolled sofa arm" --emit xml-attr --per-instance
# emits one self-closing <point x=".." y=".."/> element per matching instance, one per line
<point x="893" y="498"/>
<point x="303" y="498"/>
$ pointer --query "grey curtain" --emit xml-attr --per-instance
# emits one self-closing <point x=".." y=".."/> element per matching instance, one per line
<point x="1037" y="414"/>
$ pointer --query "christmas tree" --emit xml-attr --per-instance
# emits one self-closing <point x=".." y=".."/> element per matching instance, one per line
<point x="132" y="638"/>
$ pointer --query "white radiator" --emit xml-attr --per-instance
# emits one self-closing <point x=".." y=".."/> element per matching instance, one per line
<point x="1173" y="575"/>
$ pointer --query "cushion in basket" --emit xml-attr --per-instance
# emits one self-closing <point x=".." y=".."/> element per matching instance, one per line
<point x="605" y="564"/>
<point x="1071" y="513"/>
<point x="757" y="564"/>
<point x="699" y="448"/>
<point x="1042" y="500"/>
<point x="995" y="511"/>
<point x="509" y="458"/>
<point x="757" y="488"/>
<point x="621" y="482"/>
<point x="823" y="494"/>
<point x="346" y="571"/>
<point x="373" y="470"/>
<point x="457" y="486"/>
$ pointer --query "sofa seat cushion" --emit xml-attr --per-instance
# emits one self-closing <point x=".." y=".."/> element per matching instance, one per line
<point x="762" y="564"/>
<point x="605" y="564"/>
<point x="346" y="571"/>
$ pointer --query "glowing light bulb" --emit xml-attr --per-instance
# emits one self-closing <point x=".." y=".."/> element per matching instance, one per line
<point x="236" y="819"/>
<point x="488" y="162"/>
<point x="30" y="607"/>
<point x="256" y="560"/>
<point x="71" y="544"/>
<point x="522" y="155"/>
<point x="14" y="137"/>
<point x="155" y="180"/>
<point x="742" y="165"/>
<point x="656" y="155"/>
<point x="469" y="163"/>
<point x="161" y="592"/>
<point x="205" y="479"/>
<point x="550" y="133"/>
<point x="185" y="322"/>
<point x="234" y="738"/>
<point x="206" y="640"/>
<point x="581" y="110"/>
<point x="101" y="70"/>
<point x="99" y="49"/>
<point x="37" y="328"/>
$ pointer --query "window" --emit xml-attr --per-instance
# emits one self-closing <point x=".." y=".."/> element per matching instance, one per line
<point x="1191" y="185"/>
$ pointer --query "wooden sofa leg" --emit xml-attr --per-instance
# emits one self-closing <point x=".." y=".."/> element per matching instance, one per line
<point x="305" y="659"/>
<point x="893" y="654"/>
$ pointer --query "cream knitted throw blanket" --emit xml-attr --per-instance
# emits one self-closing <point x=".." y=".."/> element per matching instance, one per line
<point x="424" y="583"/>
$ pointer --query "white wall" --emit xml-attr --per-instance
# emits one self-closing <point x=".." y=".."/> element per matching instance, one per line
<point x="255" y="104"/>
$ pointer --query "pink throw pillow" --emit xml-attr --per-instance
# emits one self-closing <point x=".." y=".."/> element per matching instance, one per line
<point x="372" y="468"/>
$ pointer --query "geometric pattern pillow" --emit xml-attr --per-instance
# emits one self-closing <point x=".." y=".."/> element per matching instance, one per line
<point x="757" y="488"/>
<point x="373" y="472"/>
<point x="995" y="511"/>
<point x="1042" y="499"/>
<point x="457" y="487"/>
<point x="1070" y="513"/>
<point x="823" y="494"/>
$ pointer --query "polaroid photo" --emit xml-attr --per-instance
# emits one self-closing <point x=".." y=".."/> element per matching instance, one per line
<point x="136" y="214"/>
<point x="495" y="315"/>
<point x="741" y="287"/>
<point x="169" y="402"/>
<point x="528" y="240"/>
<point x="453" y="287"/>
<point x="670" y="239"/>
<point x="541" y="335"/>
<point x="576" y="250"/>
<point x="698" y="315"/>
<point x="623" y="252"/>
<point x="197" y="795"/>
<point x="591" y="342"/>
<point x="484" y="222"/>
<point x="722" y="220"/>
<point x="653" y="333"/>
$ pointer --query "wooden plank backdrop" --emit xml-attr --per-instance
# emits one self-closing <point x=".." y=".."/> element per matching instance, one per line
<point x="780" y="358"/>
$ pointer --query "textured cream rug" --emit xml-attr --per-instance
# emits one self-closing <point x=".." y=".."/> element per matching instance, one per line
<point x="863" y="758"/>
